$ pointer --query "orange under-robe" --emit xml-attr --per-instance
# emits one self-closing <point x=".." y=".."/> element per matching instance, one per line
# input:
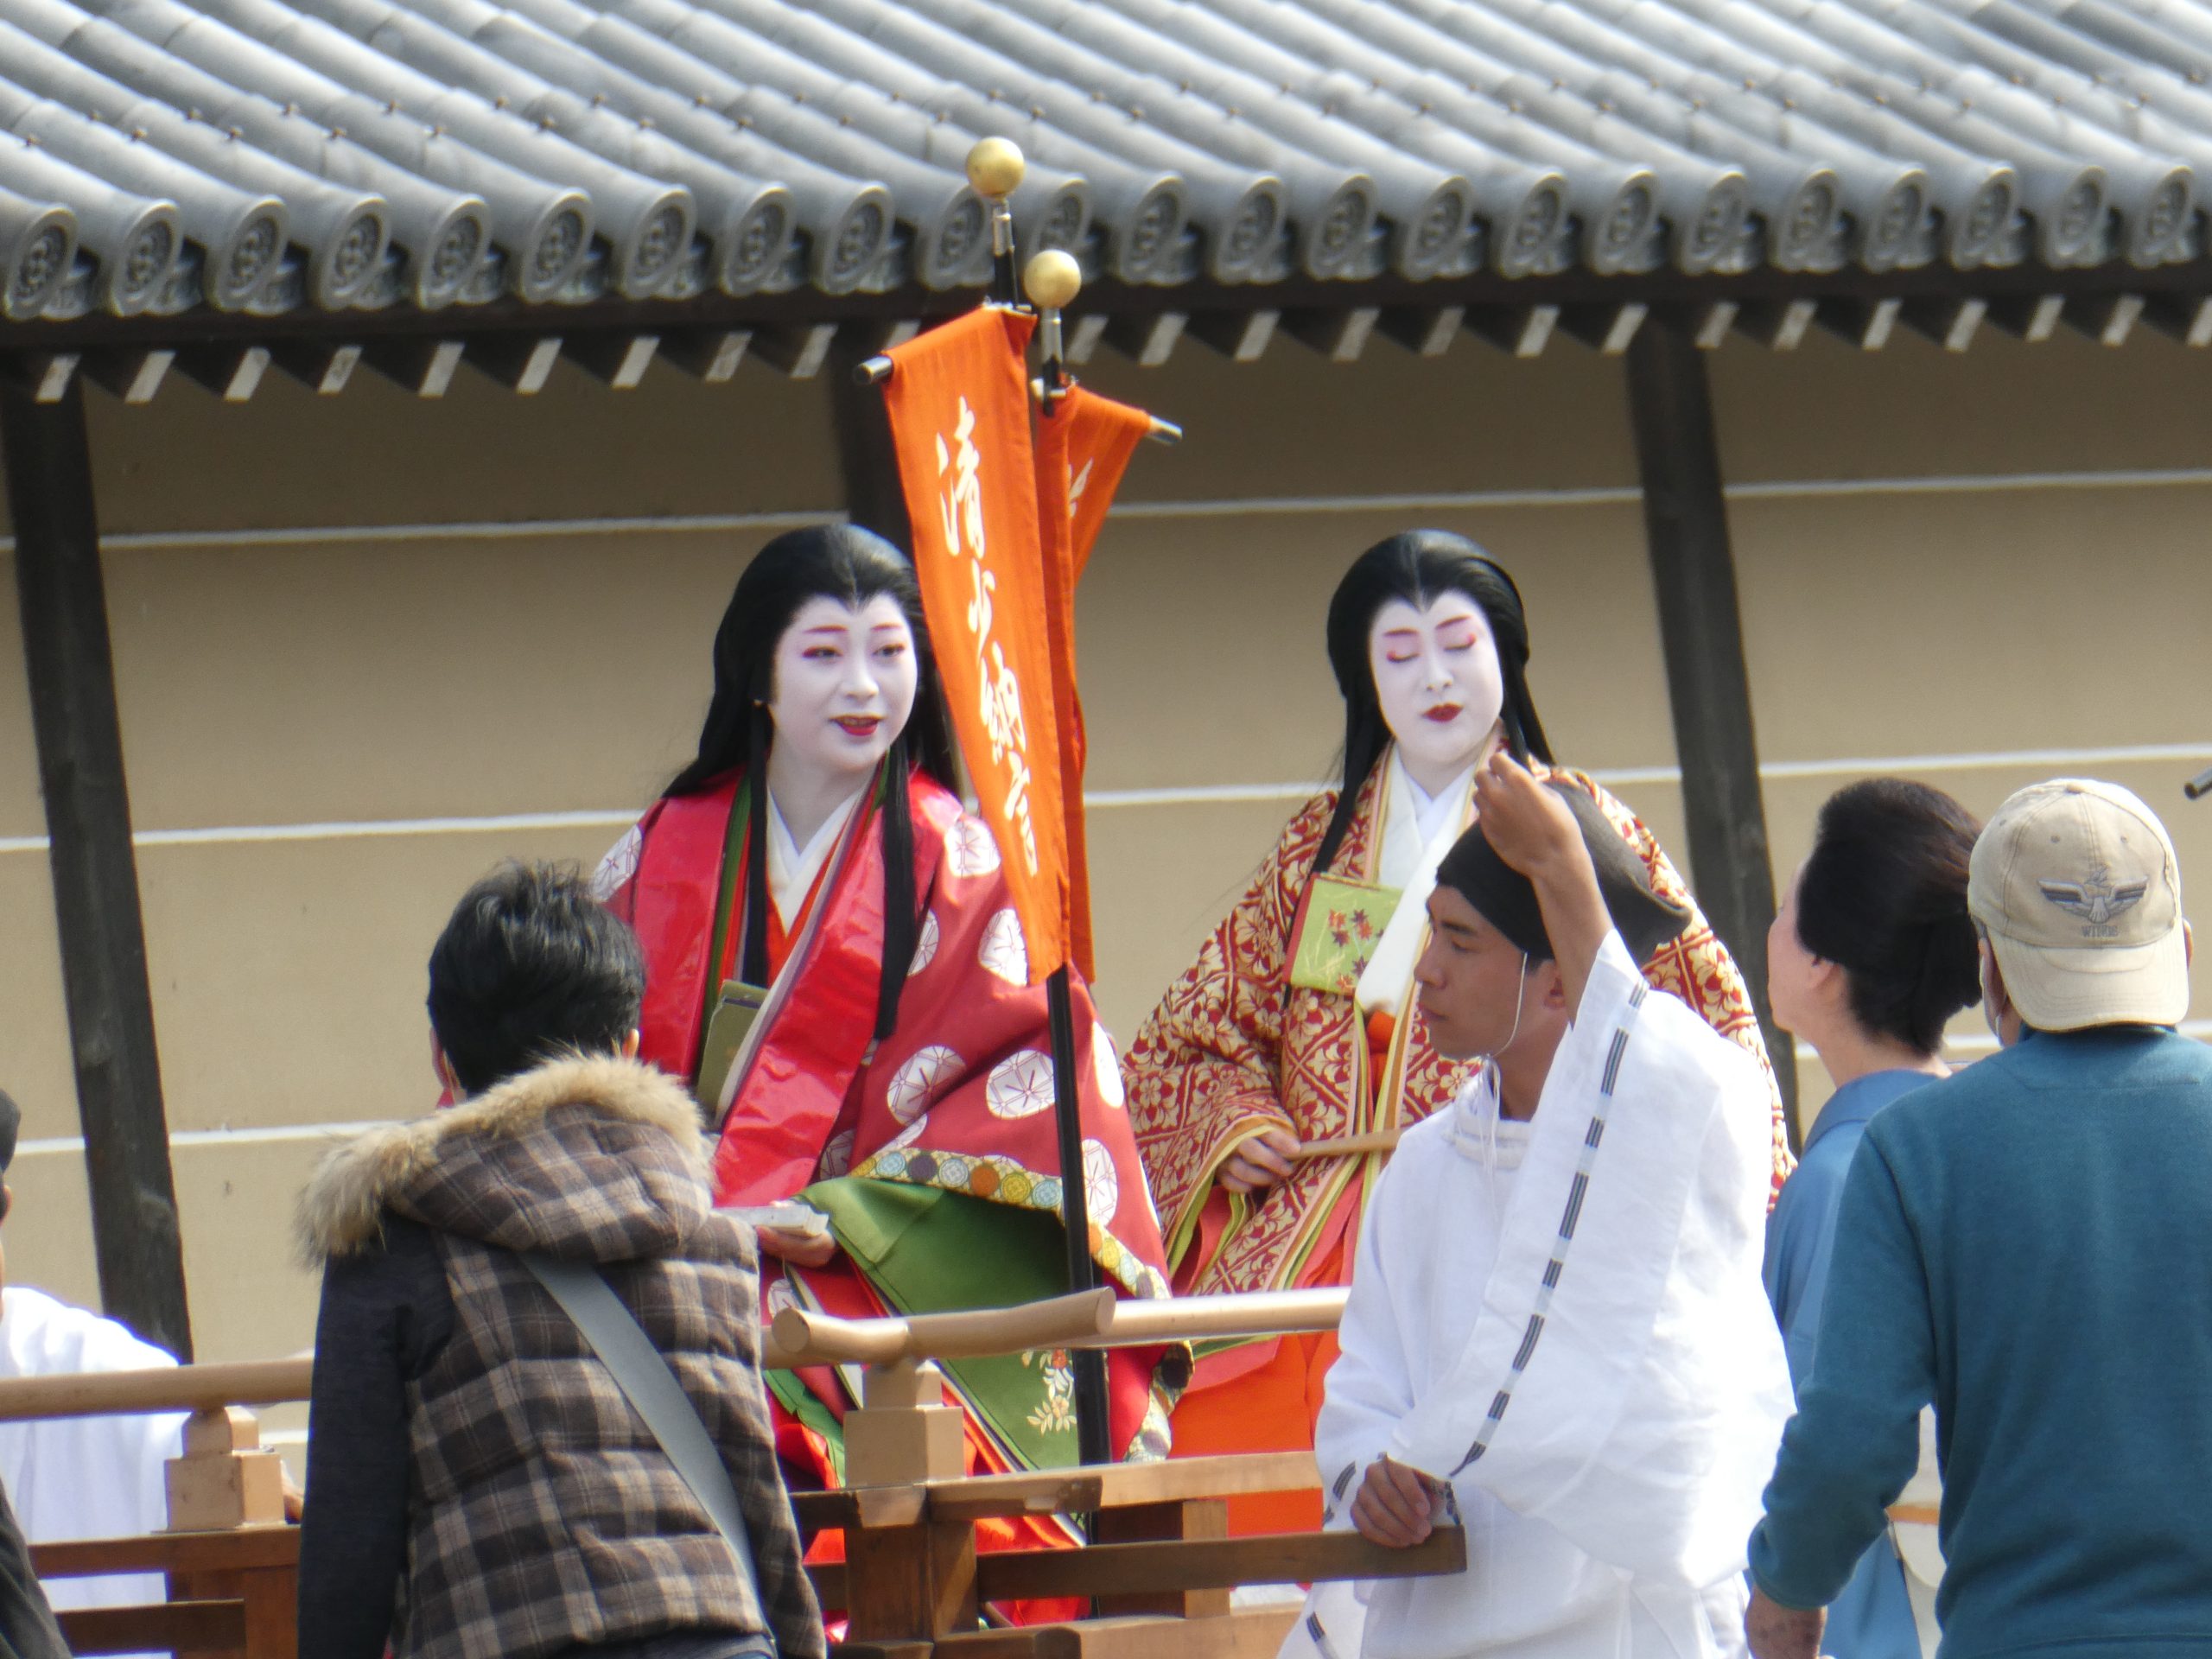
<point x="1234" y="1048"/>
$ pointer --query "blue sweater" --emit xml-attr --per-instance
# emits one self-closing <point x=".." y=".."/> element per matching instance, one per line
<point x="2029" y="1244"/>
<point x="1872" y="1615"/>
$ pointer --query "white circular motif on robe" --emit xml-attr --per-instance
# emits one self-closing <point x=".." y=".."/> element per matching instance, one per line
<point x="926" y="946"/>
<point x="969" y="849"/>
<point x="1101" y="1186"/>
<point x="1005" y="954"/>
<point x="1107" y="1067"/>
<point x="619" y="866"/>
<point x="780" y="1295"/>
<point x="907" y="1136"/>
<point x="838" y="1155"/>
<point x="1020" y="1085"/>
<point x="914" y="1085"/>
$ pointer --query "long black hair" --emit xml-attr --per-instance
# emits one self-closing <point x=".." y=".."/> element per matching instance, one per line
<point x="840" y="561"/>
<point x="1884" y="894"/>
<point x="1417" y="566"/>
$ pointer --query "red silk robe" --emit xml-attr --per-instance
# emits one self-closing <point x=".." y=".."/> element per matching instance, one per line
<point x="958" y="1097"/>
<point x="1233" y="1047"/>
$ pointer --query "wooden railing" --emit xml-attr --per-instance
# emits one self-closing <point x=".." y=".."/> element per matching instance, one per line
<point x="1157" y="1570"/>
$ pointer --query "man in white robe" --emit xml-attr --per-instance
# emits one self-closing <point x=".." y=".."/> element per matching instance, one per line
<point x="1557" y="1332"/>
<point x="70" y="1477"/>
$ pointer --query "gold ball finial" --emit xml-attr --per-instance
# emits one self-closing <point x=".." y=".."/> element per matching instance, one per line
<point x="1052" y="280"/>
<point x="995" y="168"/>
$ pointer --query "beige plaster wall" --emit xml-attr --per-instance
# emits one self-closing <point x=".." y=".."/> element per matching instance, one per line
<point x="397" y="672"/>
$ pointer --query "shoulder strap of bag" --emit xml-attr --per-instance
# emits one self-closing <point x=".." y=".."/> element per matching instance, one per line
<point x="650" y="1385"/>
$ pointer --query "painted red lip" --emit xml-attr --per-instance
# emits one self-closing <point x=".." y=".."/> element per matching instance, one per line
<point x="860" y="725"/>
<point x="1444" y="713"/>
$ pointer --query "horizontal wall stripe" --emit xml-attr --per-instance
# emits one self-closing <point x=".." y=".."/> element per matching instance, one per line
<point x="275" y="1135"/>
<point x="1203" y="795"/>
<point x="1239" y="506"/>
<point x="1977" y="1043"/>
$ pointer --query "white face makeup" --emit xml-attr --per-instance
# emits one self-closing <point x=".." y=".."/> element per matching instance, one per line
<point x="1437" y="675"/>
<point x="844" y="683"/>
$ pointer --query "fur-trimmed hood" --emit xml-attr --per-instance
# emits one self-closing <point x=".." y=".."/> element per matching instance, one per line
<point x="593" y="1159"/>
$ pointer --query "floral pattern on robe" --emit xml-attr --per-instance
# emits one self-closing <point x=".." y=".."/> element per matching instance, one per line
<point x="1233" y="1048"/>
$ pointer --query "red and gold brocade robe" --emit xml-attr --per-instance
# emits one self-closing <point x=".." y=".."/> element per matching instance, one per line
<point x="957" y="1100"/>
<point x="1233" y="1047"/>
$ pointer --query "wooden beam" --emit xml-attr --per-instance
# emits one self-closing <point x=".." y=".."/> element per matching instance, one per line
<point x="620" y="360"/>
<point x="134" y="377"/>
<point x="1424" y="330"/>
<point x="2032" y="317"/>
<point x="1779" y="325"/>
<point x="322" y="366"/>
<point x="1700" y="627"/>
<point x="797" y="352"/>
<point x="212" y="1627"/>
<point x="2187" y="318"/>
<point x="63" y="599"/>
<point x="1149" y="340"/>
<point x="1952" y="323"/>
<point x="1338" y="335"/>
<point x="232" y="373"/>
<point x="521" y="363"/>
<point x="2108" y="318"/>
<point x="1239" y="336"/>
<point x="1605" y="328"/>
<point x="1247" y="1633"/>
<point x="1084" y="334"/>
<point x="45" y="376"/>
<point x="1109" y="1570"/>
<point x="1521" y="331"/>
<point x="867" y="463"/>
<point x="1867" y="324"/>
<point x="708" y="354"/>
<point x="423" y="367"/>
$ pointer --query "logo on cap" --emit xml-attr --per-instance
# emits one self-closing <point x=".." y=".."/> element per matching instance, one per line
<point x="2096" y="900"/>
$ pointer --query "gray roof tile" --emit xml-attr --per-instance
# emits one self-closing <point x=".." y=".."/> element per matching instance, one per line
<point x="266" y="155"/>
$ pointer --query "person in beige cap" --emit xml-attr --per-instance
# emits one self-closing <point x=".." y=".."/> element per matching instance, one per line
<point x="2024" y="1245"/>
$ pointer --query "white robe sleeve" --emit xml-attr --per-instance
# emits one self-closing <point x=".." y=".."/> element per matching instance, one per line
<point x="1624" y="1382"/>
<point x="1369" y="1388"/>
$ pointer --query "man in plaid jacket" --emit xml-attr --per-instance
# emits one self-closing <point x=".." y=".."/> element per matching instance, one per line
<point x="479" y="1487"/>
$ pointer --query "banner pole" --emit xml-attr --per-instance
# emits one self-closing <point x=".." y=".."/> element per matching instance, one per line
<point x="1094" y="1436"/>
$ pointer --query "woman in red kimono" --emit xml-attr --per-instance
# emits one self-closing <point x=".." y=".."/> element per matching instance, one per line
<point x="836" y="965"/>
<point x="1297" y="1028"/>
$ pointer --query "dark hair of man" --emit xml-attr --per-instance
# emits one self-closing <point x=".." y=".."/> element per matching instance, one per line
<point x="840" y="562"/>
<point x="1884" y="896"/>
<point x="529" y="968"/>
<point x="1419" y="566"/>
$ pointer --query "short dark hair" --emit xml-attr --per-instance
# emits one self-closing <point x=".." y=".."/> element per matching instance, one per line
<point x="531" y="966"/>
<point x="1884" y="895"/>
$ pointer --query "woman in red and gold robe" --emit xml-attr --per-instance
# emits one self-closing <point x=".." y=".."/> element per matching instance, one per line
<point x="836" y="965"/>
<point x="1297" y="1027"/>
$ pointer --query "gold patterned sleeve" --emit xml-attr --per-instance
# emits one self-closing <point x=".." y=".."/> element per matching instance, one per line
<point x="1205" y="1070"/>
<point x="1696" y="967"/>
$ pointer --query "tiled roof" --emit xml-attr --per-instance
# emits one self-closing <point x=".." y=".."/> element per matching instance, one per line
<point x="263" y="156"/>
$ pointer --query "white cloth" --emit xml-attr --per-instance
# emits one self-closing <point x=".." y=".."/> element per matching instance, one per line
<point x="83" y="1477"/>
<point x="1418" y="829"/>
<point x="1646" y="1391"/>
<point x="792" y="869"/>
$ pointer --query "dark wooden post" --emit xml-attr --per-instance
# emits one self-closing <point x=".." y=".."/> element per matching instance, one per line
<point x="867" y="464"/>
<point x="64" y="607"/>
<point x="1685" y="523"/>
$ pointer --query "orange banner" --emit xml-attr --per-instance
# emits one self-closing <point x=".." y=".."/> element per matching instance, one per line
<point x="959" y="403"/>
<point x="1099" y="435"/>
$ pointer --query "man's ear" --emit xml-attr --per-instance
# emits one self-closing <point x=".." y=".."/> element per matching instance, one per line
<point x="1996" y="1000"/>
<point x="1551" y="985"/>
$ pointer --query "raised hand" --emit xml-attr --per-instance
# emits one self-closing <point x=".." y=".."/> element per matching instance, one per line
<point x="1523" y="818"/>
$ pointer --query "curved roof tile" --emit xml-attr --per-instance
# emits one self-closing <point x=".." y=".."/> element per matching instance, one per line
<point x="269" y="156"/>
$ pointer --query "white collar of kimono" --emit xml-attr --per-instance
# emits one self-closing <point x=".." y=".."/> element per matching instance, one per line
<point x="1418" y="829"/>
<point x="1479" y="1131"/>
<point x="792" y="869"/>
